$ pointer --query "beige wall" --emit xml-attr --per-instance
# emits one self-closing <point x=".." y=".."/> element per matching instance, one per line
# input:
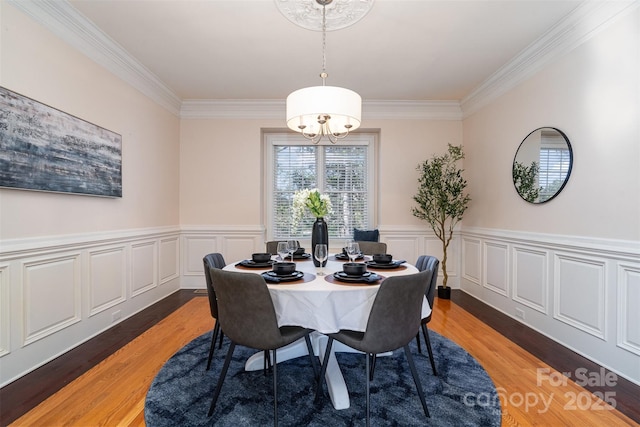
<point x="36" y="64"/>
<point x="568" y="268"/>
<point x="593" y="95"/>
<point x="222" y="167"/>
<point x="221" y="179"/>
<point x="72" y="266"/>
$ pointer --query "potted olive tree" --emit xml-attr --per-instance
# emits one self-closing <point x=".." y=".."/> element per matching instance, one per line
<point x="441" y="200"/>
<point x="525" y="181"/>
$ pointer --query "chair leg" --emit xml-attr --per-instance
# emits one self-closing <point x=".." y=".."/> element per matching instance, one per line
<point x="368" y="386"/>
<point x="418" y="342"/>
<point x="221" y="337"/>
<point x="312" y="356"/>
<point x="373" y="366"/>
<point x="323" y="369"/>
<point x="429" y="350"/>
<point x="266" y="364"/>
<point x="275" y="389"/>
<point x="416" y="379"/>
<point x="223" y="373"/>
<point x="216" y="330"/>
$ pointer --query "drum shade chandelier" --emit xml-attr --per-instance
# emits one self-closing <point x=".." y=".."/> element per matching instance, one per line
<point x="320" y="111"/>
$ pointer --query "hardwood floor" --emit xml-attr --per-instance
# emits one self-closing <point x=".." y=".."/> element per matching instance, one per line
<point x="113" y="391"/>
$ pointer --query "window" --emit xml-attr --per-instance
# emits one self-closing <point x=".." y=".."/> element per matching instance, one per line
<point x="344" y="171"/>
<point x="555" y="160"/>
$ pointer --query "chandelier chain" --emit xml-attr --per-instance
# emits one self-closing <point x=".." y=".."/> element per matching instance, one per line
<point x="324" y="44"/>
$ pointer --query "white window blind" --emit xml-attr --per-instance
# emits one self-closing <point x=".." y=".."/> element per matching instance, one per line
<point x="555" y="160"/>
<point x="343" y="171"/>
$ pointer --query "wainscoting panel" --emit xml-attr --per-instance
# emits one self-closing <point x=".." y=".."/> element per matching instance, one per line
<point x="628" y="300"/>
<point x="169" y="259"/>
<point x="530" y="278"/>
<point x="405" y="247"/>
<point x="410" y="242"/>
<point x="107" y="279"/>
<point x="239" y="247"/>
<point x="579" y="293"/>
<point x="144" y="267"/>
<point x="472" y="260"/>
<point x="195" y="248"/>
<point x="5" y="310"/>
<point x="51" y="296"/>
<point x="63" y="290"/>
<point x="234" y="243"/>
<point x="496" y="276"/>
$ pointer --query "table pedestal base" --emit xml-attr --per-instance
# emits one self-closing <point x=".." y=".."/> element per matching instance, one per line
<point x="335" y="381"/>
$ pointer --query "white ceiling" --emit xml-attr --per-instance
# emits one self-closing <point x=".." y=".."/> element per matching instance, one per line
<point x="401" y="50"/>
<point x="406" y="58"/>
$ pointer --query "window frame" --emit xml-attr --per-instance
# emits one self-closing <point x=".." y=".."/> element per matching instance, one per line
<point x="279" y="138"/>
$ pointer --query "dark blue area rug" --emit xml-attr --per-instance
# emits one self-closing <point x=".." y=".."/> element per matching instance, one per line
<point x="461" y="395"/>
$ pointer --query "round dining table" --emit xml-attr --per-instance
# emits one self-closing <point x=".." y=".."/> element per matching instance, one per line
<point x="318" y="300"/>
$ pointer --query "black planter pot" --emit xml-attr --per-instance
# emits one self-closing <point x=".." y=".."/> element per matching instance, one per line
<point x="319" y="235"/>
<point x="444" y="293"/>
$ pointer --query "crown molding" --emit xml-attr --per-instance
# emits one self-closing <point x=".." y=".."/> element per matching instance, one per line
<point x="275" y="109"/>
<point x="412" y="110"/>
<point x="232" y="109"/>
<point x="580" y="25"/>
<point x="62" y="19"/>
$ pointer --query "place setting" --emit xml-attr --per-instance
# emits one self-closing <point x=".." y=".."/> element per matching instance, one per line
<point x="385" y="261"/>
<point x="351" y="252"/>
<point x="258" y="260"/>
<point x="285" y="272"/>
<point x="355" y="273"/>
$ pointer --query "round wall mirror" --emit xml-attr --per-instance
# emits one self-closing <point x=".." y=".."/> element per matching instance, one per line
<point x="542" y="165"/>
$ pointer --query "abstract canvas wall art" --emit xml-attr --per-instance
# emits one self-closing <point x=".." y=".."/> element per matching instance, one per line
<point x="45" y="149"/>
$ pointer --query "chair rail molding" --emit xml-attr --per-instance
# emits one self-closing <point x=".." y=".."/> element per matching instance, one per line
<point x="536" y="279"/>
<point x="16" y="248"/>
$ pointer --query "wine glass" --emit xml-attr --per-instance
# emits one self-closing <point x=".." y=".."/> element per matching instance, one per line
<point x="353" y="250"/>
<point x="282" y="250"/>
<point x="321" y="255"/>
<point x="292" y="246"/>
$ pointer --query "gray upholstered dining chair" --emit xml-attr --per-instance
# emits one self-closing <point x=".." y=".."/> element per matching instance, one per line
<point x="393" y="322"/>
<point x="248" y="318"/>
<point x="370" y="248"/>
<point x="428" y="263"/>
<point x="213" y="260"/>
<point x="272" y="246"/>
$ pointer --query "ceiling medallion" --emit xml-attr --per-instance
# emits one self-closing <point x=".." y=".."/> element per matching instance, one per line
<point x="339" y="13"/>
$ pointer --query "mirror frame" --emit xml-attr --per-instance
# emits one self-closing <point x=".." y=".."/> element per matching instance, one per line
<point x="566" y="178"/>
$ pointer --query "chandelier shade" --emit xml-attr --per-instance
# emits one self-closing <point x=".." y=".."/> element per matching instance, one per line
<point x="323" y="110"/>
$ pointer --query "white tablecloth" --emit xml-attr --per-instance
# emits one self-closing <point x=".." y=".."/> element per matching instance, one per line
<point x="323" y="306"/>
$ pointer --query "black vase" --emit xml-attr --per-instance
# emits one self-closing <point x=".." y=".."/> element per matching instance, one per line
<point x="319" y="234"/>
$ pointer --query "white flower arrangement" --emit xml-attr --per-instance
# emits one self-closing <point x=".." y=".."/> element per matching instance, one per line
<point x="318" y="204"/>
